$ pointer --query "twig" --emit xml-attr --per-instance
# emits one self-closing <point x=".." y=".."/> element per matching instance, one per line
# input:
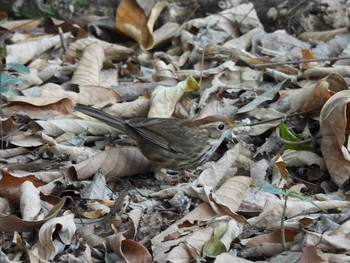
<point x="64" y="45"/>
<point x="283" y="234"/>
<point x="299" y="61"/>
<point x="276" y="119"/>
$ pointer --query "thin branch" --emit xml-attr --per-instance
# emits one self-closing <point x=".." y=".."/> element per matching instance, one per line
<point x="299" y="61"/>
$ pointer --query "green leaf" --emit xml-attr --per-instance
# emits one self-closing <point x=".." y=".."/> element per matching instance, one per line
<point x="3" y="51"/>
<point x="7" y="80"/>
<point x="213" y="247"/>
<point x="45" y="9"/>
<point x="18" y="68"/>
<point x="289" y="136"/>
<point x="272" y="190"/>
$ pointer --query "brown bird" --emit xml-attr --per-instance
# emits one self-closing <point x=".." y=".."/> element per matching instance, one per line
<point x="170" y="143"/>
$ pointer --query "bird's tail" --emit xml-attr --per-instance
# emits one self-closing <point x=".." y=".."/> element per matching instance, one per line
<point x="101" y="116"/>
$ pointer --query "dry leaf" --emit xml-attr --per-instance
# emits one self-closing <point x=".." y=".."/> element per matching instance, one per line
<point x="112" y="51"/>
<point x="88" y="71"/>
<point x="11" y="223"/>
<point x="27" y="50"/>
<point x="132" y="20"/>
<point x="114" y="162"/>
<point x="21" y="25"/>
<point x="164" y="99"/>
<point x="54" y="235"/>
<point x="10" y="186"/>
<point x="334" y="128"/>
<point x="30" y="201"/>
<point x="129" y="250"/>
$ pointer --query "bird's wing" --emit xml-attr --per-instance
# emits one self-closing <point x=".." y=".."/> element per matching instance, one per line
<point x="140" y="126"/>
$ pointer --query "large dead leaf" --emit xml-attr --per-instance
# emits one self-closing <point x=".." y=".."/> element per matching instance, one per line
<point x="132" y="20"/>
<point x="229" y="196"/>
<point x="334" y="128"/>
<point x="11" y="223"/>
<point x="164" y="99"/>
<point x="114" y="162"/>
<point x="270" y="217"/>
<point x="112" y="51"/>
<point x="10" y="185"/>
<point x="30" y="201"/>
<point x="128" y="249"/>
<point x="54" y="235"/>
<point x="88" y="71"/>
<point x="60" y="126"/>
<point x="38" y="107"/>
<point x="24" y="51"/>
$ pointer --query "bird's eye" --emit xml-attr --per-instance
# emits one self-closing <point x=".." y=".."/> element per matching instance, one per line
<point x="221" y="127"/>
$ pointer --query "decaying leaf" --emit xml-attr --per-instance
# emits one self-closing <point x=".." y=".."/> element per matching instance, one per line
<point x="334" y="129"/>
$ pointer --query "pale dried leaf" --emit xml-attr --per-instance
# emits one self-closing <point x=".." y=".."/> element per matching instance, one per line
<point x="54" y="235"/>
<point x="160" y="247"/>
<point x="88" y="71"/>
<point x="29" y="80"/>
<point x="133" y="109"/>
<point x="322" y="35"/>
<point x="334" y="257"/>
<point x="97" y="189"/>
<point x="164" y="99"/>
<point x="135" y="215"/>
<point x="23" y="140"/>
<point x="112" y="51"/>
<point x="271" y="215"/>
<point x="179" y="254"/>
<point x="285" y="46"/>
<point x="326" y="241"/>
<point x="302" y="158"/>
<point x="87" y="233"/>
<point x="238" y="156"/>
<point x="266" y="96"/>
<point x="76" y="154"/>
<point x="60" y="126"/>
<point x="165" y="32"/>
<point x="27" y="50"/>
<point x="4" y="206"/>
<point x="231" y="192"/>
<point x="30" y="201"/>
<point x="114" y="162"/>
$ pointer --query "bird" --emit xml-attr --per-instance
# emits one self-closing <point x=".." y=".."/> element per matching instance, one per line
<point x="170" y="143"/>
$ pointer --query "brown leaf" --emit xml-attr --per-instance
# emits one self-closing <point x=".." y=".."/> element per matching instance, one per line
<point x="9" y="186"/>
<point x="310" y="255"/>
<point x="323" y="90"/>
<point x="129" y="250"/>
<point x="335" y="128"/>
<point x="40" y="107"/>
<point x="132" y="21"/>
<point x="11" y="223"/>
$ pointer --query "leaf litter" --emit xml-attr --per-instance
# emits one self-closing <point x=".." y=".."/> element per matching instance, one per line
<point x="84" y="191"/>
